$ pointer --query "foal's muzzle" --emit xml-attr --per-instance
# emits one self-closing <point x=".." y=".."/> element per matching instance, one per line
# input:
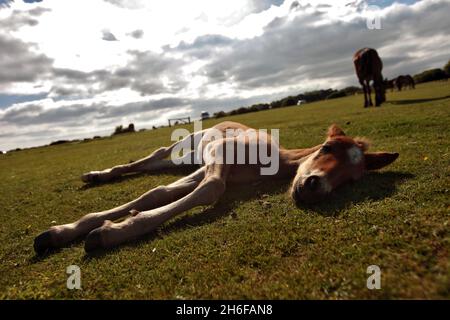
<point x="308" y="191"/>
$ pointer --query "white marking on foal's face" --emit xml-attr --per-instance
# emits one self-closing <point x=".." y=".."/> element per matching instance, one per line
<point x="355" y="155"/>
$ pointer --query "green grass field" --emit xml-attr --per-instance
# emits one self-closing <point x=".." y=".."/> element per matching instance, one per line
<point x="254" y="243"/>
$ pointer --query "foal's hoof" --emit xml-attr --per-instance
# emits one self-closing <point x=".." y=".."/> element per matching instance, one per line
<point x="43" y="242"/>
<point x="90" y="177"/>
<point x="94" y="241"/>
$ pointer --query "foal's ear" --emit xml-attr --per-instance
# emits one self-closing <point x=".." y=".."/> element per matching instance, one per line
<point x="378" y="160"/>
<point x="334" y="131"/>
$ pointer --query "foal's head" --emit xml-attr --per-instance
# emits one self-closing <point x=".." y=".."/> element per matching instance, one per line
<point x="340" y="159"/>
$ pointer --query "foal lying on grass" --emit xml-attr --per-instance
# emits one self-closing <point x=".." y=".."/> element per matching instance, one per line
<point x="315" y="171"/>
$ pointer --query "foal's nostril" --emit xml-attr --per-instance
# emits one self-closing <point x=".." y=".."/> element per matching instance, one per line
<point x="312" y="182"/>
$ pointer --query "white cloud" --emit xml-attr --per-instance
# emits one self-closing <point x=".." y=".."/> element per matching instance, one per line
<point x="184" y="56"/>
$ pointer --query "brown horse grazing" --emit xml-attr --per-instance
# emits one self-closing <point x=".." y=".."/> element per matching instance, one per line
<point x="368" y="66"/>
<point x="405" y="81"/>
<point x="315" y="172"/>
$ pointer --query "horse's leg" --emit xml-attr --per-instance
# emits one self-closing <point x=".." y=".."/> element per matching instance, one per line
<point x="369" y="92"/>
<point x="112" y="234"/>
<point x="379" y="91"/>
<point x="155" y="161"/>
<point x="378" y="98"/>
<point x="365" y="93"/>
<point x="60" y="236"/>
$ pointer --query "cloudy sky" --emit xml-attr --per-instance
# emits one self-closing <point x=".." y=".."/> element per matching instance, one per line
<point x="74" y="69"/>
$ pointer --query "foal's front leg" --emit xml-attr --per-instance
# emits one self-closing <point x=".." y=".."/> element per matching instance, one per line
<point x="112" y="234"/>
<point x="60" y="236"/>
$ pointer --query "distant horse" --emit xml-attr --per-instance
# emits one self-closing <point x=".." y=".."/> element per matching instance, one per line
<point x="368" y="66"/>
<point x="405" y="81"/>
<point x="389" y="84"/>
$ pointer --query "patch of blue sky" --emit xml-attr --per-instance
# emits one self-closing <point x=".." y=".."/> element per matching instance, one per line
<point x="7" y="100"/>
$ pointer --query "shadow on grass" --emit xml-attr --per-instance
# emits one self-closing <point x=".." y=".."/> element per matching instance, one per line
<point x="181" y="171"/>
<point x="374" y="186"/>
<point x="38" y="258"/>
<point x="49" y="252"/>
<point x="413" y="101"/>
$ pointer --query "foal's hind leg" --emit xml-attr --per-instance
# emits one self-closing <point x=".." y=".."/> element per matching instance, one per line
<point x="155" y="161"/>
<point x="60" y="236"/>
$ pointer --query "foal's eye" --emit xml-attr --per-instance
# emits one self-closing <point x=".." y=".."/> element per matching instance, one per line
<point x="325" y="148"/>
